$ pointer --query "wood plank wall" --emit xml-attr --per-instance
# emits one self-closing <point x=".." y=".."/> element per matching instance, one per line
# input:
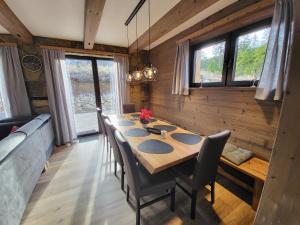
<point x="210" y="110"/>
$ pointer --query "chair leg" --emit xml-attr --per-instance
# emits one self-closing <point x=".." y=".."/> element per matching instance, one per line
<point x="115" y="172"/>
<point x="122" y="178"/>
<point x="173" y="199"/>
<point x="127" y="193"/>
<point x="212" y="192"/>
<point x="193" y="205"/>
<point x="138" y="211"/>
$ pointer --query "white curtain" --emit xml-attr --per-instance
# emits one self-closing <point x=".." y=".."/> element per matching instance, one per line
<point x="121" y="89"/>
<point x="181" y="69"/>
<point x="13" y="91"/>
<point x="59" y="96"/>
<point x="274" y="75"/>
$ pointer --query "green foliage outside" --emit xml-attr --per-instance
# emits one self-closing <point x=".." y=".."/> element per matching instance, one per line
<point x="250" y="55"/>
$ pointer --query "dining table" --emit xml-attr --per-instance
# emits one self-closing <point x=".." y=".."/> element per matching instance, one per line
<point x="157" y="152"/>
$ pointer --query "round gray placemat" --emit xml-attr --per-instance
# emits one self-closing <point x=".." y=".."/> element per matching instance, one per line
<point x="154" y="146"/>
<point x="167" y="128"/>
<point x="137" y="132"/>
<point x="125" y="123"/>
<point x="189" y="139"/>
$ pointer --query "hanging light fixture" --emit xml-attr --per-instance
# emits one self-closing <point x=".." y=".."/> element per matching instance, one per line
<point x="129" y="76"/>
<point x="137" y="74"/>
<point x="150" y="72"/>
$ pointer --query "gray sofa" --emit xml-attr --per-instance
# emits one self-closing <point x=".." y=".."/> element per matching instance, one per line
<point x="23" y="155"/>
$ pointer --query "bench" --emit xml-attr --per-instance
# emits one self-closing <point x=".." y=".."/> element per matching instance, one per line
<point x="255" y="168"/>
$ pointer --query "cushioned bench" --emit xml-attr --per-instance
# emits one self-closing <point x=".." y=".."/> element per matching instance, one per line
<point x="255" y="168"/>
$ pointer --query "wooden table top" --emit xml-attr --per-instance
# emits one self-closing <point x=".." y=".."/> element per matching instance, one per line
<point x="157" y="162"/>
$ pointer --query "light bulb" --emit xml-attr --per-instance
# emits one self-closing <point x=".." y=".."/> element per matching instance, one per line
<point x="137" y="75"/>
<point x="129" y="77"/>
<point x="148" y="73"/>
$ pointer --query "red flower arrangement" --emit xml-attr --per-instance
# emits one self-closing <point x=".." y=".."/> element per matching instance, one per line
<point x="145" y="115"/>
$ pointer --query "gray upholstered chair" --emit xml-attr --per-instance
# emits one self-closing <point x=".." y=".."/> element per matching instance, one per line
<point x="101" y="118"/>
<point x="128" y="108"/>
<point x="140" y="182"/>
<point x="110" y="129"/>
<point x="201" y="171"/>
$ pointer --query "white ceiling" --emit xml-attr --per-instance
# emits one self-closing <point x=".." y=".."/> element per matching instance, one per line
<point x="64" y="19"/>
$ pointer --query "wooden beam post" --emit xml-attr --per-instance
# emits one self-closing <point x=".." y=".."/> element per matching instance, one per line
<point x="180" y="13"/>
<point x="92" y="17"/>
<point x="280" y="200"/>
<point x="13" y="25"/>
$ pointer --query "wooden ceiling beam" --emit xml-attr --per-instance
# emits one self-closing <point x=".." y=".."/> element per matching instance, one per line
<point x="92" y="17"/>
<point x="13" y="25"/>
<point x="180" y="13"/>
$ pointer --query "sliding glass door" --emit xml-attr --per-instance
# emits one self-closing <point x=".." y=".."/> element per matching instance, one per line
<point x="92" y="86"/>
<point x="106" y="73"/>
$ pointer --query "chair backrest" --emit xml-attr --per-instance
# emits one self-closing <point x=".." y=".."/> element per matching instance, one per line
<point x="101" y="118"/>
<point x="208" y="159"/>
<point x="128" y="108"/>
<point x="110" y="129"/>
<point x="130" y="164"/>
<point x="101" y="121"/>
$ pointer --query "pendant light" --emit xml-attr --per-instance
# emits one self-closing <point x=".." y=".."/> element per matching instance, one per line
<point x="150" y="72"/>
<point x="129" y="76"/>
<point x="137" y="74"/>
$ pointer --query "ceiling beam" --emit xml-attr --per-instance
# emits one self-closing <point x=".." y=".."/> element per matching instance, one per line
<point x="13" y="25"/>
<point x="180" y="13"/>
<point x="92" y="17"/>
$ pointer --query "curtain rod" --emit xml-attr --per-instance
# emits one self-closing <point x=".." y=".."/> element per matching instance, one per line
<point x="8" y="44"/>
<point x="83" y="51"/>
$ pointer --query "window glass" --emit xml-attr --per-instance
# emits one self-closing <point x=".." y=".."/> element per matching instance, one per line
<point x="107" y="72"/>
<point x="83" y="95"/>
<point x="208" y="63"/>
<point x="250" y="54"/>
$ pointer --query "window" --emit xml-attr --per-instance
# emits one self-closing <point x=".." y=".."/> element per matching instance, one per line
<point x="92" y="85"/>
<point x="208" y="64"/>
<point x="4" y="102"/>
<point x="234" y="60"/>
<point x="250" y="54"/>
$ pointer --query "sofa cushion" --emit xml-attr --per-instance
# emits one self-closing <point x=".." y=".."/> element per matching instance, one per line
<point x="235" y="154"/>
<point x="30" y="127"/>
<point x="9" y="143"/>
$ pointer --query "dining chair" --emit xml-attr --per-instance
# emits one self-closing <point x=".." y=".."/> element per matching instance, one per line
<point x="201" y="171"/>
<point x="141" y="183"/>
<point x="128" y="108"/>
<point x="101" y="118"/>
<point x="110" y="129"/>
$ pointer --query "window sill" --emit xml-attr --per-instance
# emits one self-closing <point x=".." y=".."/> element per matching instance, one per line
<point x="224" y="88"/>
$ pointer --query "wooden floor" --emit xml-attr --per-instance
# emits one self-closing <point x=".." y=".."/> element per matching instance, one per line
<point x="79" y="188"/>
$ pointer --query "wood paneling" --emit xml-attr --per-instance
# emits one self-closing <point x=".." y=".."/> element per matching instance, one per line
<point x="13" y="25"/>
<point x="281" y="194"/>
<point x="92" y="17"/>
<point x="232" y="18"/>
<point x="209" y="110"/>
<point x="180" y="13"/>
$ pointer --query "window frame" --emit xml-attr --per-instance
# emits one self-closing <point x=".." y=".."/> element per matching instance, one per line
<point x="199" y="46"/>
<point x="233" y="53"/>
<point x="97" y="90"/>
<point x="229" y="56"/>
